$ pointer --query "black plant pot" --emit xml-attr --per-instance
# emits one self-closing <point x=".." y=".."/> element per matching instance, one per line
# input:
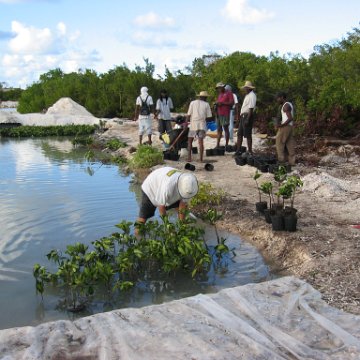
<point x="277" y="208"/>
<point x="289" y="211"/>
<point x="263" y="168"/>
<point x="261" y="206"/>
<point x="273" y="168"/>
<point x="250" y="160"/>
<point x="194" y="150"/>
<point x="209" y="167"/>
<point x="240" y="161"/>
<point x="190" y="167"/>
<point x="220" y="151"/>
<point x="268" y="213"/>
<point x="288" y="167"/>
<point x="290" y="222"/>
<point x="209" y="152"/>
<point x="230" y="148"/>
<point x="277" y="221"/>
<point x="171" y="155"/>
<point x="166" y="155"/>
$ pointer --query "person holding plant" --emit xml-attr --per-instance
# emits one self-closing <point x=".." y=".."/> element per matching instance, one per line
<point x="246" y="119"/>
<point x="199" y="111"/>
<point x="164" y="105"/>
<point x="143" y="111"/>
<point x="166" y="188"/>
<point x="285" y="142"/>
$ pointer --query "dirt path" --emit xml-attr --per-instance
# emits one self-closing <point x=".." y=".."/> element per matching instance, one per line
<point x="325" y="251"/>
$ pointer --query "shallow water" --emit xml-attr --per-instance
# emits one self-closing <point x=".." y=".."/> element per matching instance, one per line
<point x="51" y="197"/>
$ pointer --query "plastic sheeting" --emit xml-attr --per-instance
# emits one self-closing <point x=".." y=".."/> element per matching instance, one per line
<point x="280" y="319"/>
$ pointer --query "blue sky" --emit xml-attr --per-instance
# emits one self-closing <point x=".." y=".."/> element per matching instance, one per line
<point x="39" y="35"/>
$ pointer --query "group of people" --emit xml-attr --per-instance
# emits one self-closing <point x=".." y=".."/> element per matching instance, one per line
<point x="228" y="114"/>
<point x="167" y="188"/>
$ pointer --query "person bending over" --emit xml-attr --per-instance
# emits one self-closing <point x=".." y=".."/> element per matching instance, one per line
<point x="166" y="188"/>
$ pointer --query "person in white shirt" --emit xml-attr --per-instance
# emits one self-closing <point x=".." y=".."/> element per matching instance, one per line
<point x="233" y="114"/>
<point x="199" y="111"/>
<point x="166" y="188"/>
<point x="143" y="111"/>
<point x="285" y="142"/>
<point x="164" y="105"/>
<point x="246" y="120"/>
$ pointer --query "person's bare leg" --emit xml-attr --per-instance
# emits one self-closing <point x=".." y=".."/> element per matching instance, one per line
<point x="149" y="139"/>
<point x="249" y="143"/>
<point x="140" y="139"/>
<point x="227" y="134"/>
<point x="190" y="141"/>
<point x="201" y="146"/>
<point x="219" y="135"/>
<point x="239" y="142"/>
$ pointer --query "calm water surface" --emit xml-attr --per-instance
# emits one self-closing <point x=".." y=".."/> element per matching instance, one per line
<point x="51" y="197"/>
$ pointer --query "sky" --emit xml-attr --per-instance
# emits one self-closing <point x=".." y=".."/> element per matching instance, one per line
<point x="39" y="35"/>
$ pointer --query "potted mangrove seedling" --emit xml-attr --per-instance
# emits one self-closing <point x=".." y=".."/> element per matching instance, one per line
<point x="267" y="188"/>
<point x="280" y="175"/>
<point x="290" y="217"/>
<point x="277" y="219"/>
<point x="261" y="205"/>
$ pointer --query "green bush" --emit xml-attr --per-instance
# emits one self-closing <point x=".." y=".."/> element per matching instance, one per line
<point x="115" y="144"/>
<point x="208" y="195"/>
<point x="145" y="157"/>
<point x="44" y="131"/>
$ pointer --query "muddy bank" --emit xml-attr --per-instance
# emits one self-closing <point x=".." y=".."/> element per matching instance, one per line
<point x="325" y="251"/>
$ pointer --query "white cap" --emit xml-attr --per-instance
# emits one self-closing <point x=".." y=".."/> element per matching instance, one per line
<point x="187" y="185"/>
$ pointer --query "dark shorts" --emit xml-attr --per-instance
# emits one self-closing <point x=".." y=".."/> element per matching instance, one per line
<point x="164" y="126"/>
<point x="147" y="209"/>
<point x="245" y="126"/>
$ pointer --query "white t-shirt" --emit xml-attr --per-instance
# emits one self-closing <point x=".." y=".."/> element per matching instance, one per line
<point x="149" y="101"/>
<point x="161" y="186"/>
<point x="248" y="103"/>
<point x="236" y="101"/>
<point x="164" y="106"/>
<point x="198" y="111"/>
<point x="284" y="116"/>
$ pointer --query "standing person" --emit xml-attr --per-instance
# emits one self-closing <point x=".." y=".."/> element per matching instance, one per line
<point x="285" y="130"/>
<point x="166" y="188"/>
<point x="199" y="111"/>
<point x="247" y="117"/>
<point x="223" y="105"/>
<point x="233" y="114"/>
<point x="164" y="105"/>
<point x="143" y="111"/>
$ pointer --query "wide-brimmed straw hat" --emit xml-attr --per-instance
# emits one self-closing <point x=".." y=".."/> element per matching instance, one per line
<point x="219" y="85"/>
<point x="248" y="85"/>
<point x="188" y="185"/>
<point x="203" y="94"/>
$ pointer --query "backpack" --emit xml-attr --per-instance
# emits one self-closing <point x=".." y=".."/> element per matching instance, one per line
<point x="144" y="107"/>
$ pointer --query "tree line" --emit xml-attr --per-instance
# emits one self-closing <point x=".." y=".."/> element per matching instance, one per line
<point x="323" y="87"/>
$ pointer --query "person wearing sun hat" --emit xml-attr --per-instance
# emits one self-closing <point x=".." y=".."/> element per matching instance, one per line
<point x="166" y="188"/>
<point x="199" y="111"/>
<point x="223" y="106"/>
<point x="246" y="119"/>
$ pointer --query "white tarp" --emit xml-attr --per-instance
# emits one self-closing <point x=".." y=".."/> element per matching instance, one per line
<point x="280" y="319"/>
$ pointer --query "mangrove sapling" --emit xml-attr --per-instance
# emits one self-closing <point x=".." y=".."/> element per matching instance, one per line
<point x="294" y="182"/>
<point x="267" y="188"/>
<point x="118" y="262"/>
<point x="115" y="144"/>
<point x="261" y="205"/>
<point x="280" y="175"/>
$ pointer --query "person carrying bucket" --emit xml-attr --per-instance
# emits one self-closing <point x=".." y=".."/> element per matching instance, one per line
<point x="166" y="188"/>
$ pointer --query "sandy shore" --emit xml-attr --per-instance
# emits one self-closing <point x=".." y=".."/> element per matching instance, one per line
<point x="325" y="251"/>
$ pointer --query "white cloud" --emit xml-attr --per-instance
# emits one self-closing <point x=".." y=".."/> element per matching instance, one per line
<point x="28" y="39"/>
<point x="34" y="51"/>
<point x="153" y="21"/>
<point x="242" y="12"/>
